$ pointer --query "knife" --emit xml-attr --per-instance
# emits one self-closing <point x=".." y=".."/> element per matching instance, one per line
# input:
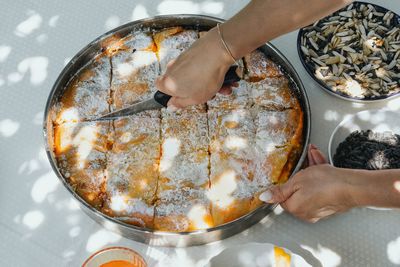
<point x="160" y="99"/>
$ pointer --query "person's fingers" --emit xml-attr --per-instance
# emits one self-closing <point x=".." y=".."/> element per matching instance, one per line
<point x="277" y="193"/>
<point x="177" y="103"/>
<point x="312" y="146"/>
<point x="225" y="90"/>
<point x="318" y="157"/>
<point x="171" y="62"/>
<point x="310" y="158"/>
<point x="166" y="85"/>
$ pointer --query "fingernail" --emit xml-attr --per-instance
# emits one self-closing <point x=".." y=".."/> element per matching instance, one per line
<point x="172" y="108"/>
<point x="312" y="146"/>
<point x="266" y="197"/>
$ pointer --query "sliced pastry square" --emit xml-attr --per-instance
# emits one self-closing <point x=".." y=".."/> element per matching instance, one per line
<point x="134" y="75"/>
<point x="120" y="203"/>
<point x="184" y="132"/>
<point x="131" y="188"/>
<point x="172" y="42"/>
<point x="273" y="94"/>
<point x="260" y="67"/>
<point x="137" y="177"/>
<point x="239" y="98"/>
<point x="142" y="41"/>
<point x="175" y="38"/>
<point x="80" y="150"/>
<point x="139" y="40"/>
<point x="87" y="94"/>
<point x="137" y="136"/>
<point x="232" y="132"/>
<point x="278" y="134"/>
<point x="184" y="170"/>
<point x="232" y="187"/>
<point x="182" y="210"/>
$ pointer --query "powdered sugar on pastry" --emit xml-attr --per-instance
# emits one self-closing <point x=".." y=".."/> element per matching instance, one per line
<point x="273" y="94"/>
<point x="180" y="210"/>
<point x="139" y="41"/>
<point x="259" y="67"/>
<point x="184" y="170"/>
<point x="172" y="42"/>
<point x="189" y="130"/>
<point x="239" y="98"/>
<point x="87" y="94"/>
<point x="231" y="131"/>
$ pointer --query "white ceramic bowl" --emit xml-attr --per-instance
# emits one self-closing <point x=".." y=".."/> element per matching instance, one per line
<point x="375" y="120"/>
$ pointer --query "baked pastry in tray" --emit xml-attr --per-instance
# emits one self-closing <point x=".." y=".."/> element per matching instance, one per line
<point x="174" y="171"/>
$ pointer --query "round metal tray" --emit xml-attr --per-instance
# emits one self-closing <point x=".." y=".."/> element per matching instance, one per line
<point x="149" y="236"/>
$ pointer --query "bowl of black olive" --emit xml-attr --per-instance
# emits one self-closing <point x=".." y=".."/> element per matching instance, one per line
<point x="367" y="140"/>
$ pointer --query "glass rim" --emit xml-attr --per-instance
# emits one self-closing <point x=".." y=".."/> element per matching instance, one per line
<point x="92" y="256"/>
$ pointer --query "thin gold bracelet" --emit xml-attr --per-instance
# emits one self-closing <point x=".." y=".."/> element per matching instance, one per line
<point x="225" y="45"/>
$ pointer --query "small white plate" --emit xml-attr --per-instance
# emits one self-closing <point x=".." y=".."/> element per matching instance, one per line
<point x="375" y="120"/>
<point x="257" y="255"/>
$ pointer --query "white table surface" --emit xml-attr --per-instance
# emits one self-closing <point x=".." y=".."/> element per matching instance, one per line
<point x="41" y="225"/>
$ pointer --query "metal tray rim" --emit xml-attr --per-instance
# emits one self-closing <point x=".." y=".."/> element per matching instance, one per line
<point x="266" y="209"/>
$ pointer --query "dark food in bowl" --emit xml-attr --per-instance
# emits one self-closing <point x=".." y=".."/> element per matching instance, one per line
<point x="369" y="150"/>
<point x="355" y="52"/>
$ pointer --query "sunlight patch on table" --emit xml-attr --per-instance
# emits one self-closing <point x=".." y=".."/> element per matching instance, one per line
<point x="179" y="6"/>
<point x="42" y="38"/>
<point x="73" y="219"/>
<point x="100" y="239"/>
<point x="139" y="12"/>
<point x="14" y="77"/>
<point x="212" y="7"/>
<point x="43" y="186"/>
<point x="4" y="52"/>
<point x="29" y="25"/>
<point x="37" y="66"/>
<point x="112" y="22"/>
<point x="331" y="115"/>
<point x="29" y="166"/>
<point x="394" y="104"/>
<point x="53" y="21"/>
<point x="73" y="204"/>
<point x="33" y="219"/>
<point x="75" y="231"/>
<point x="393" y="251"/>
<point x="38" y="118"/>
<point x="8" y="127"/>
<point x="68" y="254"/>
<point x="326" y="256"/>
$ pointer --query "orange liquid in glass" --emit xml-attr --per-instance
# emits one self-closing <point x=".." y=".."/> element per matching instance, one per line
<point x="118" y="263"/>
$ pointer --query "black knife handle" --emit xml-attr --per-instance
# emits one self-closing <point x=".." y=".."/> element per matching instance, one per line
<point x="162" y="98"/>
<point x="230" y="77"/>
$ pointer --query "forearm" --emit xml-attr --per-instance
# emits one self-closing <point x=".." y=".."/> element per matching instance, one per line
<point x="375" y="188"/>
<point x="263" y="20"/>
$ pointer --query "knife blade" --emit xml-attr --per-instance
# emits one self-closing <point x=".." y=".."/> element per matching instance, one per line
<point x="160" y="99"/>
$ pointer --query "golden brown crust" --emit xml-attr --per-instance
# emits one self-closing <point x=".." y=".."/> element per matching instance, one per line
<point x="259" y="67"/>
<point x="193" y="169"/>
<point x="159" y="37"/>
<point x="80" y="152"/>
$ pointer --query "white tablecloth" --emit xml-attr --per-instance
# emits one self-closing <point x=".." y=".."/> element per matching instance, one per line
<point x="41" y="225"/>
